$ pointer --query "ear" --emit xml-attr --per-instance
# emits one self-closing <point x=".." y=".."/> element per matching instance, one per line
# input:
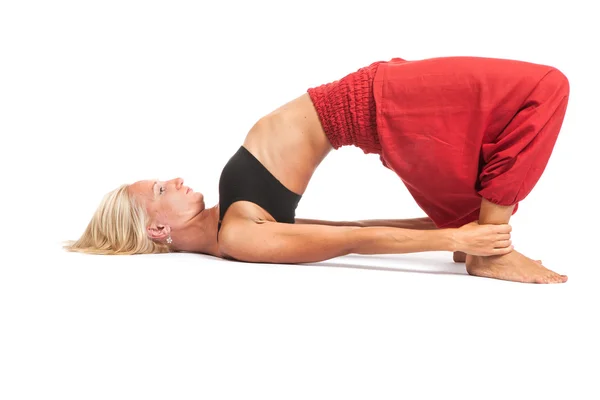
<point x="158" y="232"/>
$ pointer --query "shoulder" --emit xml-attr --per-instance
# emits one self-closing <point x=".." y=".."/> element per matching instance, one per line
<point x="234" y="233"/>
<point x="239" y="221"/>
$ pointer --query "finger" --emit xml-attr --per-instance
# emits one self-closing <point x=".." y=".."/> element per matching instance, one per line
<point x="504" y="228"/>
<point x="503" y="236"/>
<point x="502" y="243"/>
<point x="502" y="251"/>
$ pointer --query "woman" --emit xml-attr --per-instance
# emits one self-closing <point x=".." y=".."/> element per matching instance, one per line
<point x="468" y="136"/>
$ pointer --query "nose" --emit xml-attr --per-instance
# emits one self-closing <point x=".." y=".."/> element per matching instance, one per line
<point x="178" y="183"/>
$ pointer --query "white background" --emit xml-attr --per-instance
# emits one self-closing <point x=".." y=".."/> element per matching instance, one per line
<point x="95" y="94"/>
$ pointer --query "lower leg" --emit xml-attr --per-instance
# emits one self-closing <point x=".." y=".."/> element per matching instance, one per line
<point x="489" y="214"/>
<point x="513" y="266"/>
<point x="513" y="162"/>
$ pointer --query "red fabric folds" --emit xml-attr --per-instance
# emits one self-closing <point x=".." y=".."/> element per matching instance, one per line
<point x="454" y="129"/>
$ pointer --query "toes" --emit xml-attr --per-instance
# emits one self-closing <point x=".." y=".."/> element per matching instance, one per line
<point x="552" y="278"/>
<point x="556" y="278"/>
<point x="544" y="279"/>
<point x="549" y="279"/>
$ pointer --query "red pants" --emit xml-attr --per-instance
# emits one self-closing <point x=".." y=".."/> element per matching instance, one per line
<point x="457" y="129"/>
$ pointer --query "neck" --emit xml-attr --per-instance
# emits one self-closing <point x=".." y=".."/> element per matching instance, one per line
<point x="200" y="235"/>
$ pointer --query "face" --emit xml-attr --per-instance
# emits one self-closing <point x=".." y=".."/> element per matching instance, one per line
<point x="169" y="204"/>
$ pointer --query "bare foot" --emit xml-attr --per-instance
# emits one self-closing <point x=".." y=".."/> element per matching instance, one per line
<point x="513" y="266"/>
<point x="460" y="257"/>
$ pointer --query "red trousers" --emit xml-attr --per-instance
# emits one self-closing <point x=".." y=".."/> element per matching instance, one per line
<point x="457" y="129"/>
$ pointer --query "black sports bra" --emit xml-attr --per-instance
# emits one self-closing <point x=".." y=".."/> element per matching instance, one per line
<point x="245" y="178"/>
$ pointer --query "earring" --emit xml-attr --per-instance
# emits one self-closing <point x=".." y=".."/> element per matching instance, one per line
<point x="169" y="240"/>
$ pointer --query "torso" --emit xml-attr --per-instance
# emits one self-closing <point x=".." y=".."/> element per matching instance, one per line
<point x="290" y="143"/>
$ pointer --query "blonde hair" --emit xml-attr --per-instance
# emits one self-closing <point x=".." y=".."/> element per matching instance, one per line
<point x="117" y="227"/>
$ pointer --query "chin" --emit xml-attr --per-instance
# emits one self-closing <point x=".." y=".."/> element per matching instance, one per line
<point x="201" y="203"/>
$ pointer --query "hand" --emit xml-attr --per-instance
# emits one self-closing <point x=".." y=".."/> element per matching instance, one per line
<point x="483" y="240"/>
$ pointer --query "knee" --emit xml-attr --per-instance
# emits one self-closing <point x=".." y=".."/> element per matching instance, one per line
<point x="558" y="81"/>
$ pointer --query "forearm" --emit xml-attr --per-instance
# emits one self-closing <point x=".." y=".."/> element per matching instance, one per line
<point x="301" y="221"/>
<point x="384" y="240"/>
<point x="414" y="223"/>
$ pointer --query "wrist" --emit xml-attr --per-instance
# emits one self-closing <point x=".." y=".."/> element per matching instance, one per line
<point x="440" y="240"/>
<point x="449" y="240"/>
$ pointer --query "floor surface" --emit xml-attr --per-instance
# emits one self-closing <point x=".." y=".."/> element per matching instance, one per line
<point x="185" y="326"/>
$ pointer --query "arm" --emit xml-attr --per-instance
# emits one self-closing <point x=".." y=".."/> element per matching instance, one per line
<point x="424" y="223"/>
<point x="273" y="242"/>
<point x="415" y="223"/>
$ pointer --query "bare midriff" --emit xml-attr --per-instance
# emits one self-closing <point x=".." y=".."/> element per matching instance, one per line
<point x="290" y="143"/>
